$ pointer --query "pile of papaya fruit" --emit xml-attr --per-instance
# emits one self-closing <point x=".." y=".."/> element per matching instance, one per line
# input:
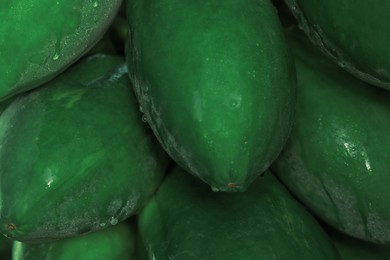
<point x="181" y="129"/>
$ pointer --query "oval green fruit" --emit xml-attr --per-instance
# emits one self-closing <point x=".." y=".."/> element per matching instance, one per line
<point x="186" y="220"/>
<point x="215" y="82"/>
<point x="39" y="39"/>
<point x="337" y="158"/>
<point x="114" y="243"/>
<point x="354" y="34"/>
<point x="75" y="155"/>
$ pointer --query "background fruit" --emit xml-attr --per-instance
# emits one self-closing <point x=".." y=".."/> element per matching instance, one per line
<point x="115" y="243"/>
<point x="336" y="160"/>
<point x="75" y="155"/>
<point x="40" y="39"/>
<point x="186" y="220"/>
<point x="354" y="34"/>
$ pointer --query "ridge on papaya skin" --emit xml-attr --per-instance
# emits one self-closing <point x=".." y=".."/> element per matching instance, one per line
<point x="353" y="34"/>
<point x="216" y="83"/>
<point x="116" y="243"/>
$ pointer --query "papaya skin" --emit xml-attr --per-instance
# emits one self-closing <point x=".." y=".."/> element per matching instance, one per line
<point x="186" y="220"/>
<point x="40" y="39"/>
<point x="355" y="249"/>
<point x="354" y="34"/>
<point x="116" y="243"/>
<point x="215" y="82"/>
<point x="75" y="155"/>
<point x="336" y="159"/>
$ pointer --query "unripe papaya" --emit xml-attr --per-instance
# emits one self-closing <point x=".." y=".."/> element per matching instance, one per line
<point x="354" y="34"/>
<point x="216" y="83"/>
<point x="186" y="220"/>
<point x="40" y="39"/>
<point x="114" y="243"/>
<point x="75" y="155"/>
<point x="337" y="158"/>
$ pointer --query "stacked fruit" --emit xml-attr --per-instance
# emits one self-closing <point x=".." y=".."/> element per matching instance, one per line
<point x="176" y="129"/>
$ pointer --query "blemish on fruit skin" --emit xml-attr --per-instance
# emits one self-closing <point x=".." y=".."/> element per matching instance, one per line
<point x="232" y="186"/>
<point x="11" y="227"/>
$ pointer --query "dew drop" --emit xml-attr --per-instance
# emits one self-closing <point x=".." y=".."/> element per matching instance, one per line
<point x="144" y="119"/>
<point x="95" y="4"/>
<point x="56" y="56"/>
<point x="113" y="221"/>
<point x="233" y="103"/>
<point x="214" y="189"/>
<point x="369" y="205"/>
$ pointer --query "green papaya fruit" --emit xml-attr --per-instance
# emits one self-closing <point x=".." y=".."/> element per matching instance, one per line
<point x="215" y="82"/>
<point x="40" y="39"/>
<point x="186" y="220"/>
<point x="354" y="34"/>
<point x="75" y="155"/>
<point x="336" y="160"/>
<point x="355" y="249"/>
<point x="114" y="243"/>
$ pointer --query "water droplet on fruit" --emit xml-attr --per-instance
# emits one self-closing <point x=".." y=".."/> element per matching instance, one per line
<point x="235" y="101"/>
<point x="113" y="221"/>
<point x="56" y="56"/>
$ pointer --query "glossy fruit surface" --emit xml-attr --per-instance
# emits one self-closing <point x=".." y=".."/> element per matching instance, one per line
<point x="215" y="82"/>
<point x="75" y="155"/>
<point x="39" y="39"/>
<point x="337" y="158"/>
<point x="186" y="220"/>
<point x="354" y="34"/>
<point x="114" y="243"/>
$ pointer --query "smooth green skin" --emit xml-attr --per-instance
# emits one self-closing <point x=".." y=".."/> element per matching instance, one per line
<point x="114" y="243"/>
<point x="75" y="155"/>
<point x="336" y="160"/>
<point x="215" y="82"/>
<point x="186" y="220"/>
<point x="354" y="34"/>
<point x="40" y="39"/>
<point x="354" y="249"/>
